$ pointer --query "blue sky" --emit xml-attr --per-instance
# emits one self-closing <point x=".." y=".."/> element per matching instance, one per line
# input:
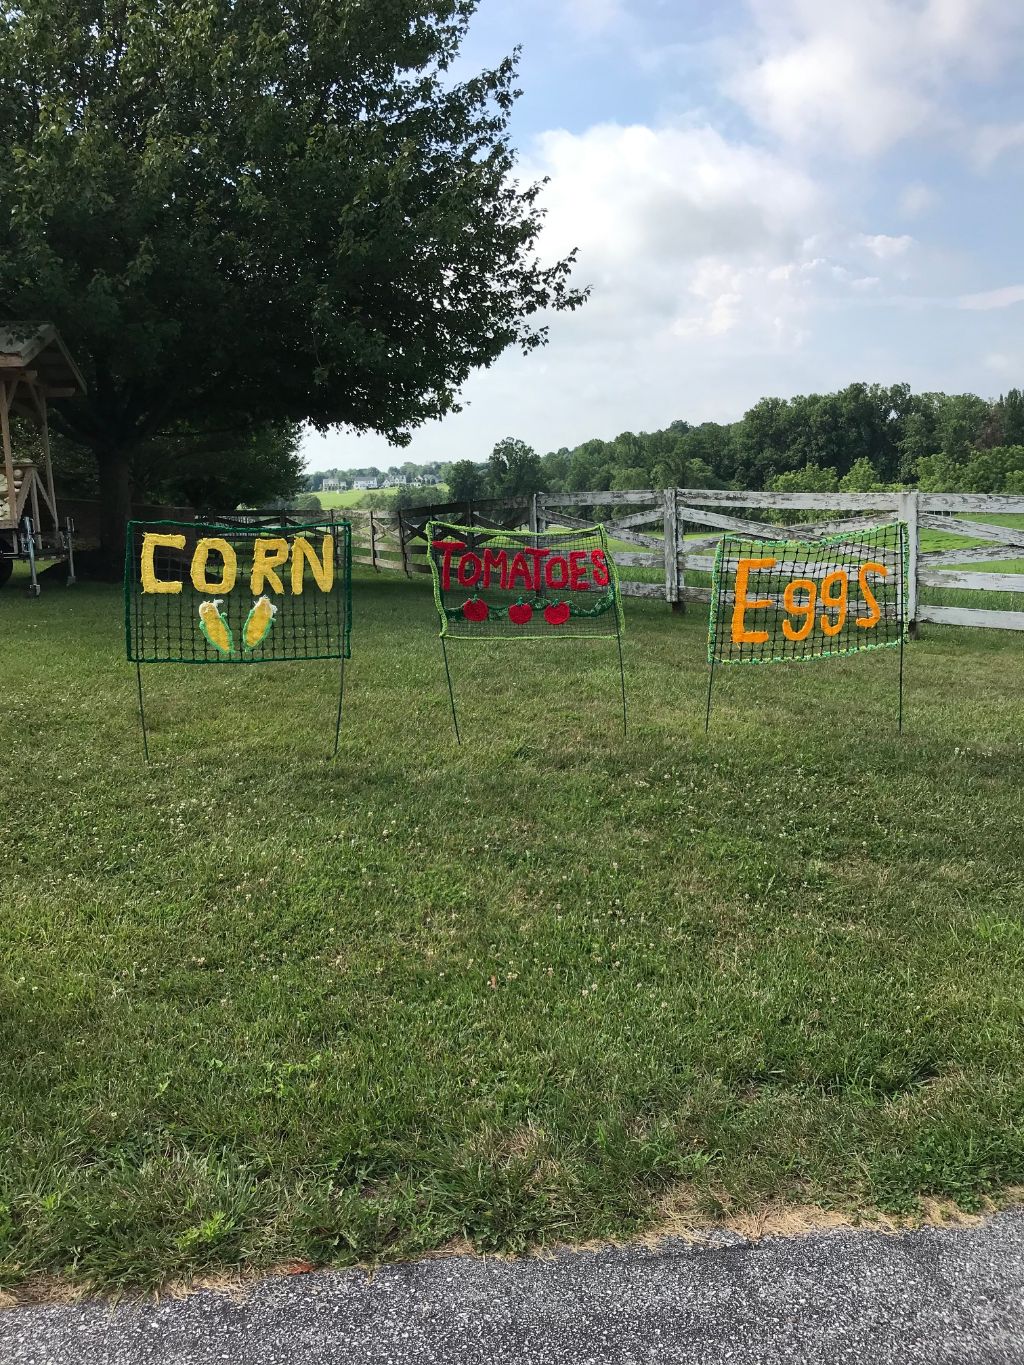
<point x="768" y="197"/>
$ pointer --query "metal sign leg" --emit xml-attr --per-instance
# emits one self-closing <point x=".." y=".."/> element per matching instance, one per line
<point x="711" y="683"/>
<point x="900" y="714"/>
<point x="622" y="672"/>
<point x="142" y="710"/>
<point x="451" y="691"/>
<point x="341" y="699"/>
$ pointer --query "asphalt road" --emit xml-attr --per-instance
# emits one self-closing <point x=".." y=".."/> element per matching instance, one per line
<point x="952" y="1297"/>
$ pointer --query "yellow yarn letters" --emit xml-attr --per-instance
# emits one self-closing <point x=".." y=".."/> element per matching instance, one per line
<point x="150" y="541"/>
<point x="229" y="570"/>
<point x="321" y="569"/>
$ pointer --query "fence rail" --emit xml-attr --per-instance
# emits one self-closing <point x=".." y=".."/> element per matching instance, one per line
<point x="669" y="536"/>
<point x="668" y="547"/>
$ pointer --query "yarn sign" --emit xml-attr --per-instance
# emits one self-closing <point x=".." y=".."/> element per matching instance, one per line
<point x="523" y="584"/>
<point x="241" y="594"/>
<point x="780" y="600"/>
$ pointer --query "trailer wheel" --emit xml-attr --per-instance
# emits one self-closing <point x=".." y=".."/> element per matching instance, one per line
<point x="6" y="565"/>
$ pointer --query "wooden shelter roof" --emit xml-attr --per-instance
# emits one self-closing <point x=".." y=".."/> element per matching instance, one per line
<point x="37" y="347"/>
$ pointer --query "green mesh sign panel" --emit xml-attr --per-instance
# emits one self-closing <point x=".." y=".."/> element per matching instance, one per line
<point x="519" y="585"/>
<point x="779" y="600"/>
<point x="240" y="594"/>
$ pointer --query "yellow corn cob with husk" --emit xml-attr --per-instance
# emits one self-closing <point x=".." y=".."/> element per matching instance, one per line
<point x="215" y="627"/>
<point x="258" y="622"/>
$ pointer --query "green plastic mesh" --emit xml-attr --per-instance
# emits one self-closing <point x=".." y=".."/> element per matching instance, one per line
<point x="776" y="601"/>
<point x="521" y="585"/>
<point x="246" y="620"/>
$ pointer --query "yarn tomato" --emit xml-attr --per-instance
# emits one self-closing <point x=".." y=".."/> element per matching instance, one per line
<point x="475" y="609"/>
<point x="557" y="614"/>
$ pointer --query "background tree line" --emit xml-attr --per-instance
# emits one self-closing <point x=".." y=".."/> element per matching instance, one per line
<point x="864" y="438"/>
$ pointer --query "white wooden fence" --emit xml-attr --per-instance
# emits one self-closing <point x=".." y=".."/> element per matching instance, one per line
<point x="673" y="532"/>
<point x="661" y="524"/>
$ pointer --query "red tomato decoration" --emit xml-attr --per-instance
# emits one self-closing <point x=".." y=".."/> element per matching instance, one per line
<point x="519" y="613"/>
<point x="475" y="609"/>
<point x="557" y="614"/>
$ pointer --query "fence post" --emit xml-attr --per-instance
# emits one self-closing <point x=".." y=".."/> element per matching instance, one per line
<point x="404" y="544"/>
<point x="539" y="519"/>
<point x="907" y="511"/>
<point x="533" y="513"/>
<point x="373" y="539"/>
<point x="671" y="522"/>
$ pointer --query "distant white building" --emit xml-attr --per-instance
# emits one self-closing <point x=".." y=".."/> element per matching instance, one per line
<point x="333" y="483"/>
<point x="393" y="481"/>
<point x="429" y="479"/>
<point x="365" y="483"/>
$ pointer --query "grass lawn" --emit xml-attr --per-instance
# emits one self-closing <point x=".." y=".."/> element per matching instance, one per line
<point x="353" y="497"/>
<point x="257" y="1005"/>
<point x="348" y="497"/>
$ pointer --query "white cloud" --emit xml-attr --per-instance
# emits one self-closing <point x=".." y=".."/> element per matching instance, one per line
<point x="712" y="263"/>
<point x="1003" y="364"/>
<point x="672" y="225"/>
<point x="995" y="139"/>
<point x="593" y="17"/>
<point x="1005" y="297"/>
<point x="883" y="247"/>
<point x="863" y="76"/>
<point x="916" y="199"/>
<point x="685" y="235"/>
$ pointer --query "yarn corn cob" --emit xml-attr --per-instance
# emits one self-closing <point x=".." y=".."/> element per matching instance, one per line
<point x="215" y="627"/>
<point x="258" y="622"/>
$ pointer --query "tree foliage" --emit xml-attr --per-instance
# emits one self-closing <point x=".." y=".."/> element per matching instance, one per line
<point x="467" y="482"/>
<point x="865" y="438"/>
<point x="514" y="470"/>
<point x="251" y="212"/>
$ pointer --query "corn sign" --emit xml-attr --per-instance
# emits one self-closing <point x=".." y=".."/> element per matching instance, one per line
<point x="238" y="594"/>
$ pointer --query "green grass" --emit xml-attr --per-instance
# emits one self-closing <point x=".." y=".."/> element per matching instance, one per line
<point x="353" y="497"/>
<point x="971" y="597"/>
<point x="259" y="1005"/>
<point x="349" y="497"/>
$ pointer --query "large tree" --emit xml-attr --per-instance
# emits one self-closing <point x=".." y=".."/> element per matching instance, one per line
<point x="514" y="470"/>
<point x="250" y="211"/>
<point x="467" y="482"/>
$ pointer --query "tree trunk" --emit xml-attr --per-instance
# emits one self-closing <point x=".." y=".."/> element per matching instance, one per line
<point x="116" y="486"/>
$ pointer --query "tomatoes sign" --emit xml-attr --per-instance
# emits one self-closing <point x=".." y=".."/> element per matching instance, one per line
<point x="523" y="584"/>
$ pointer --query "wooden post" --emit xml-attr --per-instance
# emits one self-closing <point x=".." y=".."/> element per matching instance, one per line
<point x="533" y="513"/>
<point x="373" y="539"/>
<point x="539" y="514"/>
<point x="907" y="512"/>
<point x="672" y="574"/>
<point x="680" y="556"/>
<point x="6" y="396"/>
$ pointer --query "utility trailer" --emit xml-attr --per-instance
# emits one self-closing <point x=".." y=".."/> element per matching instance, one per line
<point x="34" y="367"/>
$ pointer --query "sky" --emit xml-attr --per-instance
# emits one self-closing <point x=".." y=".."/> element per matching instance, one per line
<point x="767" y="197"/>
